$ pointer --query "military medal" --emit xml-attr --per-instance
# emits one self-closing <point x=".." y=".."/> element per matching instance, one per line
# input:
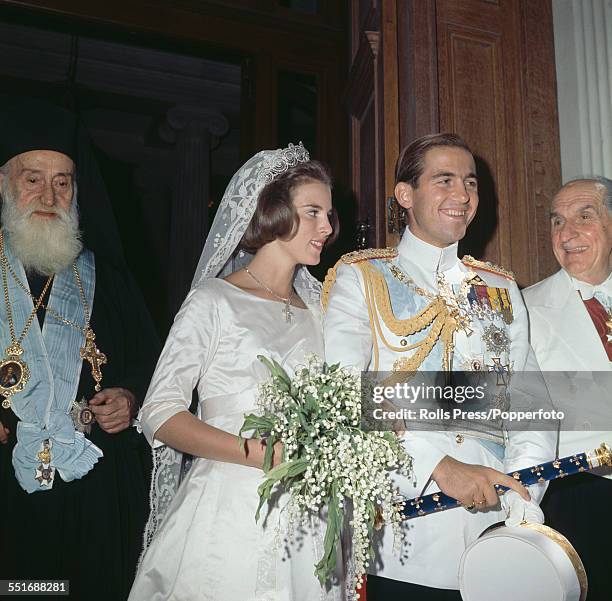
<point x="82" y="415"/>
<point x="494" y="300"/>
<point x="506" y="305"/>
<point x="473" y="363"/>
<point x="496" y="340"/>
<point x="482" y="303"/>
<point x="503" y="372"/>
<point x="44" y="472"/>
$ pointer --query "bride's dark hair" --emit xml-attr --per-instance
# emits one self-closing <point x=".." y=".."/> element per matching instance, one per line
<point x="275" y="216"/>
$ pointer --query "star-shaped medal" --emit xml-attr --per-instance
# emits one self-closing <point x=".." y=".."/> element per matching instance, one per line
<point x="45" y="474"/>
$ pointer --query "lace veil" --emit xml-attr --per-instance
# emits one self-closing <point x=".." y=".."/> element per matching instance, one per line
<point x="219" y="258"/>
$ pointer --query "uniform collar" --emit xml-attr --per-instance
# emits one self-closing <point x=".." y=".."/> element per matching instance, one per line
<point x="426" y="256"/>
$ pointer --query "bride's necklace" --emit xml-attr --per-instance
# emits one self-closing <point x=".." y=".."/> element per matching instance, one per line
<point x="285" y="300"/>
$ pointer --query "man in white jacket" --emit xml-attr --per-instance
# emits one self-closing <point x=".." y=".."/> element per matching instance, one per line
<point x="570" y="316"/>
<point x="384" y="311"/>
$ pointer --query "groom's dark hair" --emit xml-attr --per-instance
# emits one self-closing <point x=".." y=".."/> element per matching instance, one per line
<point x="411" y="161"/>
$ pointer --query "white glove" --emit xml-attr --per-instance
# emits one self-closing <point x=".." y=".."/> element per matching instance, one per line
<point x="518" y="510"/>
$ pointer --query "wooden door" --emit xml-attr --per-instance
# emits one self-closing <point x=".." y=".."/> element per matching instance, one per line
<point x="497" y="88"/>
<point x="372" y="98"/>
<point x="481" y="68"/>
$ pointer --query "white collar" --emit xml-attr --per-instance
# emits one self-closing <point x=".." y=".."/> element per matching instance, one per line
<point x="587" y="291"/>
<point x="422" y="261"/>
<point x="428" y="257"/>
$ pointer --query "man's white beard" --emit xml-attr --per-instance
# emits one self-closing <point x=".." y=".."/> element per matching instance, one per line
<point x="46" y="246"/>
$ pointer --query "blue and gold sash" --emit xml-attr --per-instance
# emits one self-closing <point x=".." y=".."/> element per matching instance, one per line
<point x="55" y="367"/>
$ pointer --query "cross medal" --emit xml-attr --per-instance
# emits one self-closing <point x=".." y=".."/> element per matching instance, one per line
<point x="91" y="353"/>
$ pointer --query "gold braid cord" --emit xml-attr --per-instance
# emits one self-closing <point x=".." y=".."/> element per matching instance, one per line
<point x="356" y="256"/>
<point x="436" y="314"/>
<point x="376" y="292"/>
<point x="487" y="266"/>
<point x="328" y="283"/>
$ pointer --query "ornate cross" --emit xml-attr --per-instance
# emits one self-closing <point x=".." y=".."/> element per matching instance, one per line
<point x="92" y="354"/>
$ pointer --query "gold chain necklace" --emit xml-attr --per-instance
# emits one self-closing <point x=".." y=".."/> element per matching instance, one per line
<point x="51" y="312"/>
<point x="90" y="351"/>
<point x="286" y="301"/>
<point x="14" y="372"/>
<point x="454" y="302"/>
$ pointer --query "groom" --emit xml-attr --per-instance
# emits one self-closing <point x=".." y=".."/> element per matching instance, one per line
<point x="380" y="314"/>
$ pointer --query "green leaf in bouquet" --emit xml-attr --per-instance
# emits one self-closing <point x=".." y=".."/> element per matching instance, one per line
<point x="276" y="474"/>
<point x="277" y="371"/>
<point x="281" y="384"/>
<point x="310" y="402"/>
<point x="265" y="492"/>
<point x="283" y="472"/>
<point x="286" y="469"/>
<point x="303" y="422"/>
<point x="262" y="424"/>
<point x="325" y="568"/>
<point x="297" y="467"/>
<point x="267" y="464"/>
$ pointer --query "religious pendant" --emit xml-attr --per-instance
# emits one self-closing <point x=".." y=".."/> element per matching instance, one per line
<point x="92" y="354"/>
<point x="288" y="312"/>
<point x="14" y="374"/>
<point x="82" y="416"/>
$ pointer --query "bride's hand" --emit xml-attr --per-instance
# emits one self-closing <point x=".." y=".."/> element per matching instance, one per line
<point x="256" y="451"/>
<point x="277" y="454"/>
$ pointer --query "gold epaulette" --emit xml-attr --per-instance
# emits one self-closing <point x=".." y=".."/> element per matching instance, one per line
<point x="357" y="256"/>
<point x="368" y="253"/>
<point x="487" y="266"/>
<point x="328" y="282"/>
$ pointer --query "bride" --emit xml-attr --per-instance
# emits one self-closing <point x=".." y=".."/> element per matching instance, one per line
<point x="208" y="546"/>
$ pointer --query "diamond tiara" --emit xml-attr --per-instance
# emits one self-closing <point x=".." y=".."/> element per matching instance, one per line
<point x="282" y="159"/>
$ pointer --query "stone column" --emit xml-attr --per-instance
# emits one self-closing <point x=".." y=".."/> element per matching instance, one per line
<point x="195" y="131"/>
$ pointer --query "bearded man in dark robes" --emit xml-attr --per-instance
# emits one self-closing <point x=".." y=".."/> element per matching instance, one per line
<point x="79" y="345"/>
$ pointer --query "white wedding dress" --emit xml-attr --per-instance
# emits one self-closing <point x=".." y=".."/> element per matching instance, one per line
<point x="209" y="547"/>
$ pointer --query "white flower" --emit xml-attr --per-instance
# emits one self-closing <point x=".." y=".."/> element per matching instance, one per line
<point x="343" y="462"/>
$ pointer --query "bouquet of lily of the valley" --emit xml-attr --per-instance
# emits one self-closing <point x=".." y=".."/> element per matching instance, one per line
<point x="327" y="457"/>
